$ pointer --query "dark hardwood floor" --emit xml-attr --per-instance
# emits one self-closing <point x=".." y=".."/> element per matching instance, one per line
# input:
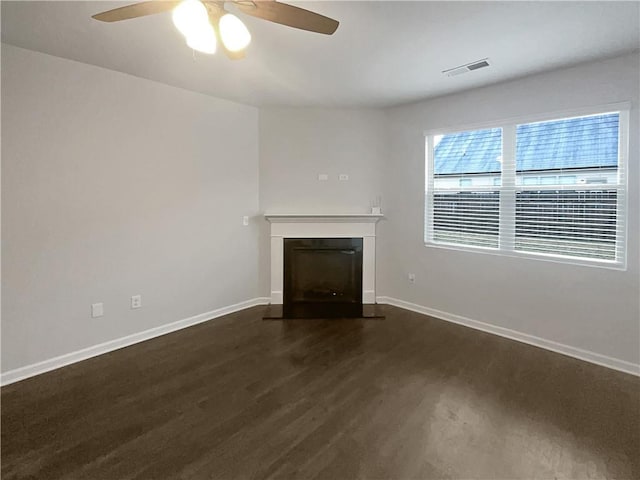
<point x="404" y="397"/>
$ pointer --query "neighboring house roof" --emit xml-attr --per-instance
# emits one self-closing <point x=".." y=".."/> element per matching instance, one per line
<point x="572" y="143"/>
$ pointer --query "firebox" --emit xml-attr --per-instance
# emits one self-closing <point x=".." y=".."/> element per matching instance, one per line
<point x="322" y="277"/>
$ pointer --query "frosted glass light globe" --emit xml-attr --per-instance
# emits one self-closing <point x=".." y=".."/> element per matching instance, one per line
<point x="234" y="34"/>
<point x="190" y="16"/>
<point x="203" y="40"/>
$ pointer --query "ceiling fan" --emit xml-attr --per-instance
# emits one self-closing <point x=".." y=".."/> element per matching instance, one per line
<point x="206" y="23"/>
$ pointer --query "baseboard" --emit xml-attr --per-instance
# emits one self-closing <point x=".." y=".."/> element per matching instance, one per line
<point x="22" y="373"/>
<point x="586" y="355"/>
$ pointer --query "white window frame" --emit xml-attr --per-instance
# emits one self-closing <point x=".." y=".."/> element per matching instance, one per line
<point x="506" y="237"/>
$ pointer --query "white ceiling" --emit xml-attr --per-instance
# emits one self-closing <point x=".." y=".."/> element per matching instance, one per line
<point x="383" y="53"/>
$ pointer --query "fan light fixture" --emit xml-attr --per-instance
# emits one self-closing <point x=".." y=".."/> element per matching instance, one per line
<point x="192" y="20"/>
<point x="204" y="23"/>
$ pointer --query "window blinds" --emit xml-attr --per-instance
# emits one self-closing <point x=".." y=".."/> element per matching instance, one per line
<point x="568" y="187"/>
<point x="466" y="202"/>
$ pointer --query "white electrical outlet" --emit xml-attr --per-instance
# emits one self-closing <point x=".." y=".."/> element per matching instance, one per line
<point x="136" y="301"/>
<point x="412" y="277"/>
<point x="97" y="310"/>
<point x="343" y="177"/>
<point x="323" y="177"/>
<point x="245" y="221"/>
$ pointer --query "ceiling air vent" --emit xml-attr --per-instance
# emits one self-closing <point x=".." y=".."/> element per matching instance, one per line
<point x="452" y="72"/>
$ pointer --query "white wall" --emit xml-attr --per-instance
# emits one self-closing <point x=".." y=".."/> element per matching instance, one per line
<point x="114" y="186"/>
<point x="589" y="308"/>
<point x="297" y="144"/>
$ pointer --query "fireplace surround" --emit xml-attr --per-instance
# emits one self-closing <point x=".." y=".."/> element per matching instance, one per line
<point x="323" y="226"/>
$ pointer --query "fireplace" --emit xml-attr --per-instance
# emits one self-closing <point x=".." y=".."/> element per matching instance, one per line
<point x="324" y="226"/>
<point x="322" y="277"/>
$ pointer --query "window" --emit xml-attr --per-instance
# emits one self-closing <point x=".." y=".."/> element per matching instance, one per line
<point x="553" y="188"/>
<point x="462" y="212"/>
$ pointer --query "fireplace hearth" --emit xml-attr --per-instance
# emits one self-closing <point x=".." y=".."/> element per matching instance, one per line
<point x="322" y="277"/>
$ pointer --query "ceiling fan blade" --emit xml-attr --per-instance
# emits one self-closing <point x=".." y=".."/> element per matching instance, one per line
<point x="141" y="9"/>
<point x="288" y="15"/>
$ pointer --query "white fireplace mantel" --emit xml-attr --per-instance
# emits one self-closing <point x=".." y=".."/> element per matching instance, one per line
<point x="315" y="225"/>
<point x="324" y="217"/>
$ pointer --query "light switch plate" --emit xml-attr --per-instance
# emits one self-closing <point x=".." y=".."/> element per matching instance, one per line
<point x="323" y="177"/>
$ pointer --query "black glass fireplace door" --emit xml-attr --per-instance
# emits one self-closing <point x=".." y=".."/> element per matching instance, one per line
<point x="322" y="277"/>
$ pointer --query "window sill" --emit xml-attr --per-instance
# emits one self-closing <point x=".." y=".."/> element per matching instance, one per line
<point x="583" y="262"/>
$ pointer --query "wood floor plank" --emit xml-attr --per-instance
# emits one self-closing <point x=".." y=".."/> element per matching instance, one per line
<point x="405" y="397"/>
